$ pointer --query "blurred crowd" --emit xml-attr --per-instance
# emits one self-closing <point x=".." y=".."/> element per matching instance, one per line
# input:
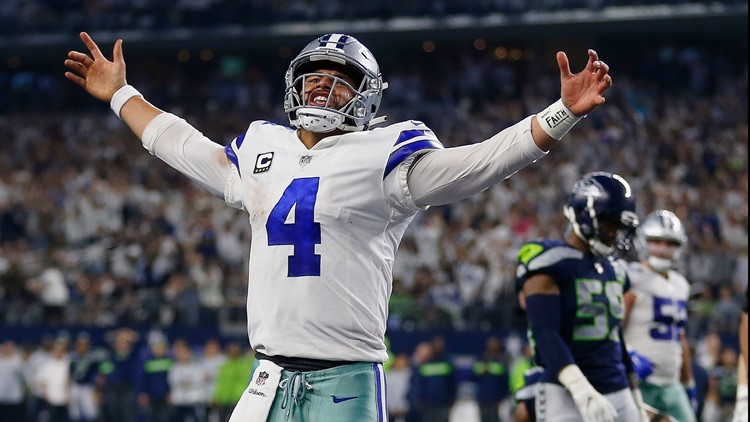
<point x="129" y="377"/>
<point x="95" y="232"/>
<point x="46" y="16"/>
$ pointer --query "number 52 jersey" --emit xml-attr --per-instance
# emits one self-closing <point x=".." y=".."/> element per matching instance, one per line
<point x="326" y="224"/>
<point x="657" y="320"/>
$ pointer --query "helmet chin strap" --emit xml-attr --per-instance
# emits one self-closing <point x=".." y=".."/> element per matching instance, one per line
<point x="319" y="120"/>
<point x="660" y="265"/>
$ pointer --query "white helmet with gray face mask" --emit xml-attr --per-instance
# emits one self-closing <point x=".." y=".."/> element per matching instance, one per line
<point x="339" y="52"/>
<point x="661" y="225"/>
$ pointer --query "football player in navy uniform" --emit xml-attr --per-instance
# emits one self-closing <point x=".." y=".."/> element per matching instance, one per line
<point x="574" y="305"/>
<point x="329" y="199"/>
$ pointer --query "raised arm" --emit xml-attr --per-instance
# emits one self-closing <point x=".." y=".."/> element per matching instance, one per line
<point x="446" y="175"/>
<point x="102" y="78"/>
<point x="163" y="134"/>
<point x="580" y="94"/>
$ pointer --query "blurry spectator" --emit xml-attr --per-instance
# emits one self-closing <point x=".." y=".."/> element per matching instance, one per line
<point x="434" y="384"/>
<point x="701" y="388"/>
<point x="727" y="311"/>
<point x="231" y="379"/>
<point x="35" y="357"/>
<point x="84" y="371"/>
<point x="208" y="277"/>
<point x="211" y="361"/>
<point x="518" y="368"/>
<point x="12" y="383"/>
<point x="151" y="381"/>
<point x="421" y="354"/>
<point x="181" y="296"/>
<point x="52" y="289"/>
<point x="398" y="388"/>
<point x="186" y="385"/>
<point x="119" y="372"/>
<point x="490" y="375"/>
<point x="53" y="379"/>
<point x="708" y="350"/>
<point x="722" y="387"/>
<point x="701" y="310"/>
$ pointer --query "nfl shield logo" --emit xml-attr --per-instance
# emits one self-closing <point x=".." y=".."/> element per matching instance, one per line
<point x="305" y="160"/>
<point x="262" y="377"/>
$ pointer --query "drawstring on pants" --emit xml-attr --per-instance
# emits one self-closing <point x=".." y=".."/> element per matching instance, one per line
<point x="294" y="392"/>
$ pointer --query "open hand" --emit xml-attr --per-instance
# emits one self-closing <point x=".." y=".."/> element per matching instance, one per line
<point x="582" y="92"/>
<point x="98" y="76"/>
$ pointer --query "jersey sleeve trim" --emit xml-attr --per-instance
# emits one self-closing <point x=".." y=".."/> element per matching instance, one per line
<point x="231" y="154"/>
<point x="409" y="142"/>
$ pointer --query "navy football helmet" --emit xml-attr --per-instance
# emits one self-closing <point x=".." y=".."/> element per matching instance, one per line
<point x="661" y="225"/>
<point x="345" y="54"/>
<point x="601" y="211"/>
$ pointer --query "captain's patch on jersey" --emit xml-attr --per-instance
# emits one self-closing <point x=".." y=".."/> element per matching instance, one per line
<point x="263" y="162"/>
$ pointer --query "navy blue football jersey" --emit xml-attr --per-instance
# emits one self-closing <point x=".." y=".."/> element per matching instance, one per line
<point x="591" y="294"/>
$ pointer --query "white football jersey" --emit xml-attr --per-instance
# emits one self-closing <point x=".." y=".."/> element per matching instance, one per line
<point x="326" y="224"/>
<point x="657" y="320"/>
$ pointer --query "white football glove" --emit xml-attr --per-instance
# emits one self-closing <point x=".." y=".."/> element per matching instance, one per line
<point x="740" y="407"/>
<point x="592" y="405"/>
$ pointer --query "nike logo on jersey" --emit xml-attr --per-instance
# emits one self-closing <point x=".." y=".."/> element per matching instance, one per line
<point x="342" y="399"/>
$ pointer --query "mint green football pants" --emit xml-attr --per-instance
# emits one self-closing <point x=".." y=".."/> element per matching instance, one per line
<point x="347" y="393"/>
<point x="670" y="399"/>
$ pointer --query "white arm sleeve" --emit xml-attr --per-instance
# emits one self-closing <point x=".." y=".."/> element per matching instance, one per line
<point x="443" y="176"/>
<point x="188" y="151"/>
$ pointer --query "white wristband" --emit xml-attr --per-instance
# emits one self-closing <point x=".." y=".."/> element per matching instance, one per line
<point x="557" y="119"/>
<point x="571" y="375"/>
<point x="122" y="96"/>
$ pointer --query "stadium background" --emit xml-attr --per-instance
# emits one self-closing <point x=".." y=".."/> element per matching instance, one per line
<point x="136" y="245"/>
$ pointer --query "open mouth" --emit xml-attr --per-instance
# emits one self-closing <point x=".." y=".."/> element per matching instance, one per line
<point x="318" y="99"/>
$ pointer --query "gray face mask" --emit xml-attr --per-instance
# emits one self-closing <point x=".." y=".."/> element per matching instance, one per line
<point x="660" y="265"/>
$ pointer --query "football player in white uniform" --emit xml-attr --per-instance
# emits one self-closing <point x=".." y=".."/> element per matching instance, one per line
<point x="329" y="199"/>
<point x="656" y="315"/>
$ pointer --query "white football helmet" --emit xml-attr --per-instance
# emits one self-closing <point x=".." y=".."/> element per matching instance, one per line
<point x="343" y="53"/>
<point x="661" y="225"/>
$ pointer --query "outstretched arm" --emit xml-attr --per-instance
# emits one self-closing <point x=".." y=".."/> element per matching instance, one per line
<point x="580" y="93"/>
<point x="443" y="176"/>
<point x="101" y="78"/>
<point x="163" y="134"/>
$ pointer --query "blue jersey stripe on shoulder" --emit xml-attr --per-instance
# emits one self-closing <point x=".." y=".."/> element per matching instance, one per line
<point x="240" y="140"/>
<point x="232" y="157"/>
<point x="411" y="134"/>
<point x="400" y="154"/>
